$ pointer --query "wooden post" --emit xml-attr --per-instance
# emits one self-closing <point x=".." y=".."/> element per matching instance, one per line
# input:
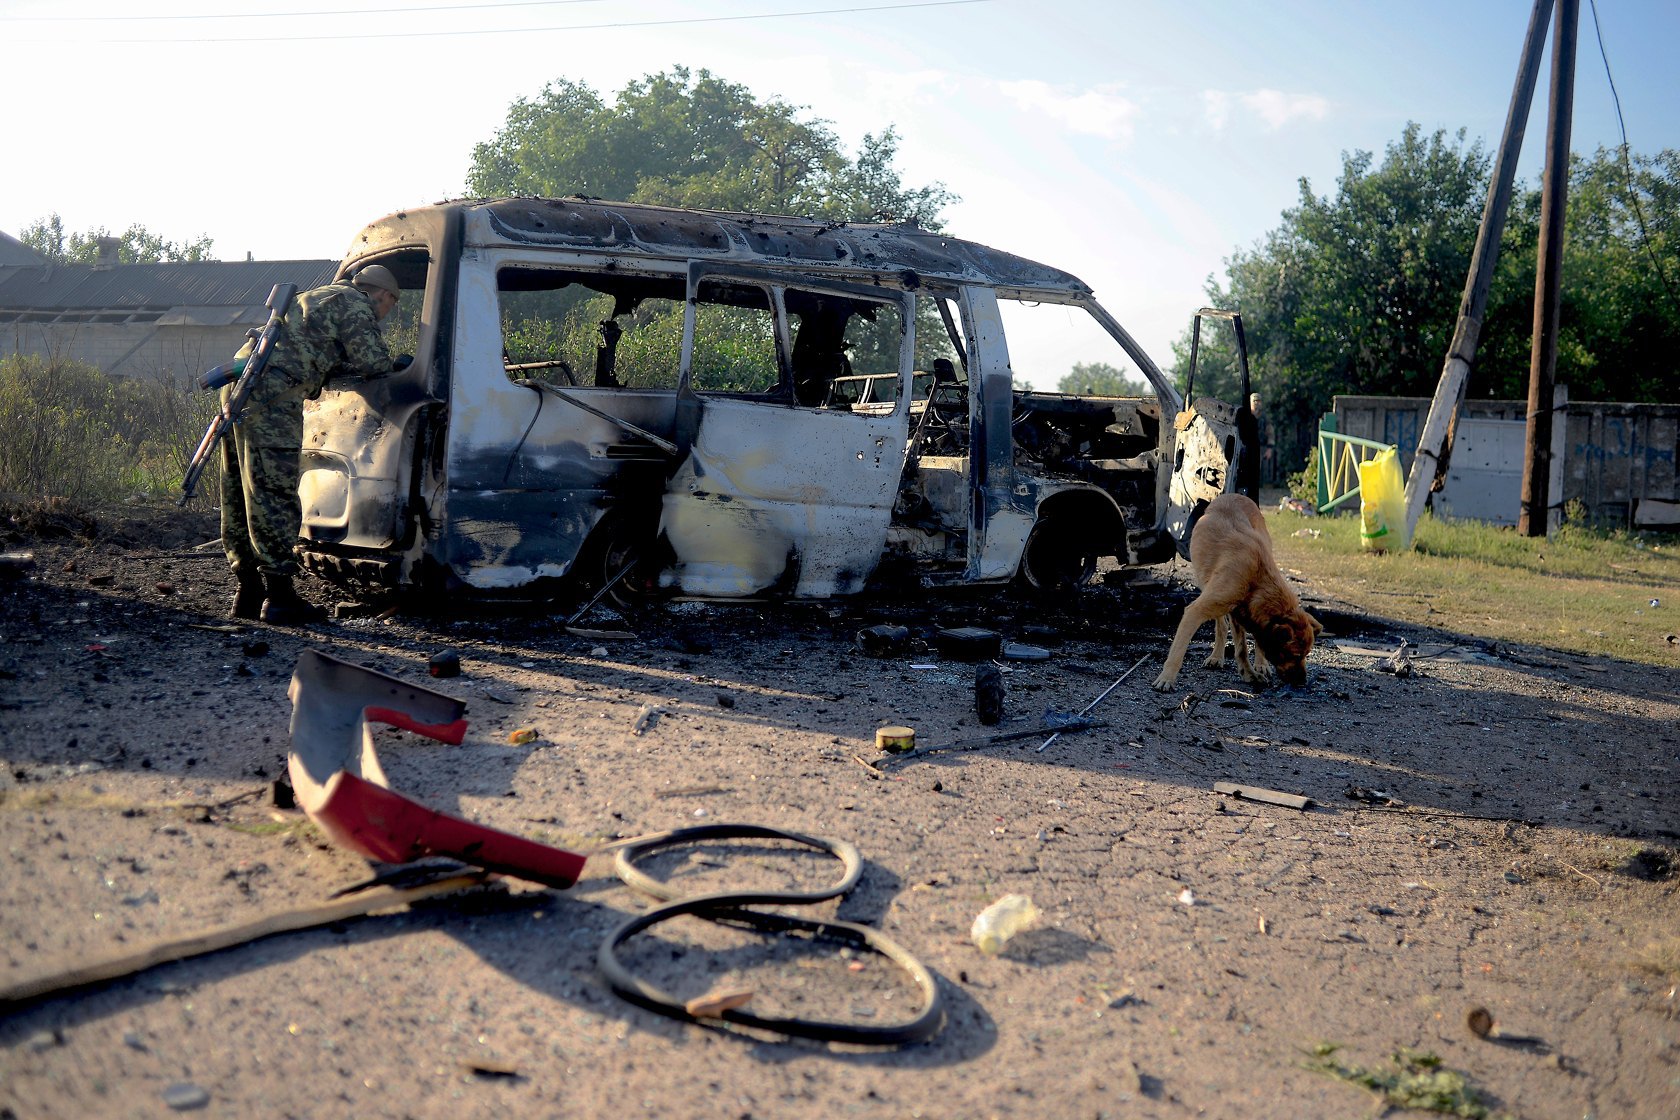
<point x="1455" y="373"/>
<point x="1533" y="521"/>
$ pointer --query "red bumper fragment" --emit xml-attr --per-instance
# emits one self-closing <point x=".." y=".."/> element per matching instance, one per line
<point x="339" y="783"/>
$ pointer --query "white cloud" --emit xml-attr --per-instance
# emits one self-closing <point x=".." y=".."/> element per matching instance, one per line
<point x="1273" y="108"/>
<point x="1099" y="111"/>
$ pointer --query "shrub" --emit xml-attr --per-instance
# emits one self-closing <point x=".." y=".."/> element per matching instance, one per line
<point x="75" y="432"/>
<point x="1304" y="484"/>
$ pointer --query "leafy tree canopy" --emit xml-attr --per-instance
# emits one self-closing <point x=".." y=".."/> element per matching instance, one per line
<point x="1358" y="292"/>
<point x="136" y="245"/>
<point x="1099" y="379"/>
<point x="682" y="138"/>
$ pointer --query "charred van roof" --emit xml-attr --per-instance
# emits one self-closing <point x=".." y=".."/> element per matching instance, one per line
<point x="764" y="240"/>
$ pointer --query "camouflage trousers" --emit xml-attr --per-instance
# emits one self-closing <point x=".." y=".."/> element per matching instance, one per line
<point x="261" y="516"/>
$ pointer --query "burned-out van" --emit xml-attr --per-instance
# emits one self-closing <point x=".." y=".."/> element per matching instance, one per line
<point x="731" y="405"/>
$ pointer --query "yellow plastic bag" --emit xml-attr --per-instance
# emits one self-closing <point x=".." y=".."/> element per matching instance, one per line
<point x="1382" y="503"/>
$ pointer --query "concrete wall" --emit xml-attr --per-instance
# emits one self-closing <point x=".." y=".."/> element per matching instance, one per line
<point x="1618" y="459"/>
<point x="154" y="350"/>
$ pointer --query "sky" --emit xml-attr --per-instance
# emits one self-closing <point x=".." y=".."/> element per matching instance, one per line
<point x="1137" y="145"/>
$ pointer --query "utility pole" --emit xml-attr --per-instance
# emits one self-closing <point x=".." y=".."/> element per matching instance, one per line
<point x="1455" y="372"/>
<point x="1534" y="520"/>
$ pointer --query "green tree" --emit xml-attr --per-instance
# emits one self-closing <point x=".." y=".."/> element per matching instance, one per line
<point x="1099" y="379"/>
<point x="136" y="245"/>
<point x="1619" y="326"/>
<point x="1358" y="292"/>
<point x="682" y="138"/>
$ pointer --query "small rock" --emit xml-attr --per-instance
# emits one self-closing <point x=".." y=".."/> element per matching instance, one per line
<point x="44" y="1040"/>
<point x="184" y="1096"/>
<point x="1127" y="1077"/>
<point x="134" y="1042"/>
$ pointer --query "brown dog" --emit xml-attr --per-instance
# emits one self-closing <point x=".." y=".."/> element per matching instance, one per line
<point x="1231" y="557"/>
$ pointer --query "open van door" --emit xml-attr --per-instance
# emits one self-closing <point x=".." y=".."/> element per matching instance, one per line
<point x="1216" y="446"/>
<point x="775" y="489"/>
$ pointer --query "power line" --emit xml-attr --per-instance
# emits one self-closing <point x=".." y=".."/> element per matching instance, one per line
<point x="618" y="25"/>
<point x="1627" y="162"/>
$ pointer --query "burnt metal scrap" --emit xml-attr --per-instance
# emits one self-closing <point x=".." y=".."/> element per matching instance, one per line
<point x="340" y="785"/>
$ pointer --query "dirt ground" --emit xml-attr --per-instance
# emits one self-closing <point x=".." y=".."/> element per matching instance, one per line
<point x="1497" y="829"/>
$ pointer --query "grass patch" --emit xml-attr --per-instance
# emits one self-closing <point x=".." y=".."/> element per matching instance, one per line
<point x="1413" y="1079"/>
<point x="1583" y="591"/>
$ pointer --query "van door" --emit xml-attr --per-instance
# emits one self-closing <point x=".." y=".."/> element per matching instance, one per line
<point x="1207" y="446"/>
<point x="781" y="486"/>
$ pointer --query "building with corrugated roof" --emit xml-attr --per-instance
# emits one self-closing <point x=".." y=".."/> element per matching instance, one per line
<point x="140" y="320"/>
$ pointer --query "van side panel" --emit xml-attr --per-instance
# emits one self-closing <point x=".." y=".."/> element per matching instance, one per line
<point x="530" y="475"/>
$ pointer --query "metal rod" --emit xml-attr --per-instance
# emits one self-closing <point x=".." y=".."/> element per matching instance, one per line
<point x="1086" y="710"/>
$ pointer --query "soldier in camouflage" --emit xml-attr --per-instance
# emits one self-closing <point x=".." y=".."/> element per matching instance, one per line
<point x="331" y="331"/>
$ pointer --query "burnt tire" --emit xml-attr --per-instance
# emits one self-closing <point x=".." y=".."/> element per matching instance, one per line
<point x="624" y="558"/>
<point x="1059" y="556"/>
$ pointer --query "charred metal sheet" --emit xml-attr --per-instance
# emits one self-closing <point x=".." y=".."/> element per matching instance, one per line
<point x="904" y="251"/>
<point x="1205" y="456"/>
<point x="339" y="783"/>
<point x="802" y="504"/>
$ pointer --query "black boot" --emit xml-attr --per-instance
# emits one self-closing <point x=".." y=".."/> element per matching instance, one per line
<point x="247" y="600"/>
<point x="285" y="607"/>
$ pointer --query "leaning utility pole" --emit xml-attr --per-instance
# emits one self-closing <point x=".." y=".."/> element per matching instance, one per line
<point x="1455" y="373"/>
<point x="1534" y="520"/>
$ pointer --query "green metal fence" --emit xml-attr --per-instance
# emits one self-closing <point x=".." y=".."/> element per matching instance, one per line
<point x="1339" y="457"/>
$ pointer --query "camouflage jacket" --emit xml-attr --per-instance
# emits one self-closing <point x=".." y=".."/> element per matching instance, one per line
<point x="330" y="331"/>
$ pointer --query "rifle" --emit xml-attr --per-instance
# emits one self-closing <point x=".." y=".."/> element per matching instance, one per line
<point x="248" y="372"/>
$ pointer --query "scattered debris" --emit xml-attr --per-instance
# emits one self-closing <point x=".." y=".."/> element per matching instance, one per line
<point x="15" y="565"/>
<point x="1187" y="897"/>
<point x="444" y="663"/>
<point x="988" y="693"/>
<point x="1372" y="797"/>
<point x="968" y="643"/>
<point x="1399" y="662"/>
<point x="1065" y="727"/>
<point x="1103" y="695"/>
<point x="519" y="736"/>
<point x="478" y="1067"/>
<point x="1481" y="1023"/>
<point x="360" y="904"/>
<point x="1002" y="920"/>
<point x="1266" y="796"/>
<point x="647" y="717"/>
<point x="895" y="739"/>
<point x="184" y="1096"/>
<point x="339" y="782"/>
<point x="712" y="1004"/>
<point x="885" y="640"/>
<point x="692" y="791"/>
<point x="1020" y="651"/>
